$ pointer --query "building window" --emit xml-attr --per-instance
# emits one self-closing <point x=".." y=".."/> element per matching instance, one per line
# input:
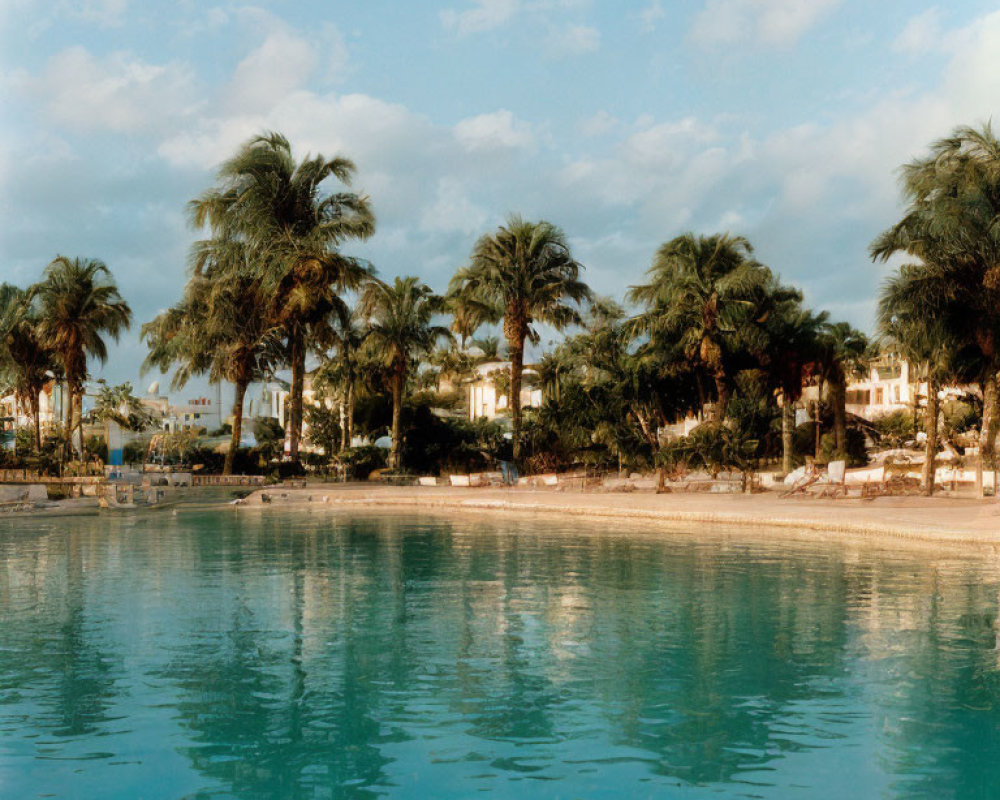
<point x="879" y="396"/>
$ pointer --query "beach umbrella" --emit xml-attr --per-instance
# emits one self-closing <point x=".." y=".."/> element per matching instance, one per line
<point x="384" y="442"/>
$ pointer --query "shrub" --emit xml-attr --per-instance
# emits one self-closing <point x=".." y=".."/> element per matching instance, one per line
<point x="895" y="428"/>
<point x="134" y="453"/>
<point x="713" y="447"/>
<point x="360" y="462"/>
<point x="96" y="447"/>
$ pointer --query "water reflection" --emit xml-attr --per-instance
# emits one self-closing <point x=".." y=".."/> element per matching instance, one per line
<point x="314" y="656"/>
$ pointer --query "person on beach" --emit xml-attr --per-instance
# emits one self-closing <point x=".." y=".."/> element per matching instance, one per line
<point x="508" y="469"/>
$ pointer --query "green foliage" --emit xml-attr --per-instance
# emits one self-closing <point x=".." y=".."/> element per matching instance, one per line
<point x="270" y="437"/>
<point x="96" y="447"/>
<point x="177" y="447"/>
<point x="117" y="404"/>
<point x="323" y="427"/>
<point x="134" y="452"/>
<point x="24" y="443"/>
<point x="895" y="429"/>
<point x="360" y="462"/>
<point x="856" y="454"/>
<point x="714" y="447"/>
<point x="960" y="417"/>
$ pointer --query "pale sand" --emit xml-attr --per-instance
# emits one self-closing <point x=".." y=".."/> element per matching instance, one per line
<point x="938" y="519"/>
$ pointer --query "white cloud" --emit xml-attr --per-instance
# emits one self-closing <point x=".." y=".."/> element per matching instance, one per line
<point x="922" y="34"/>
<point x="485" y="15"/>
<point x="651" y="15"/>
<point x="118" y="93"/>
<point x="453" y="210"/>
<point x="760" y="22"/>
<point x="107" y="13"/>
<point x="575" y="40"/>
<point x="497" y="130"/>
<point x="280" y="65"/>
<point x="600" y="124"/>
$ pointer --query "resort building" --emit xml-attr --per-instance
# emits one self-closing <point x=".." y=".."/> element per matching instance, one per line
<point x="488" y="397"/>
<point x="891" y="384"/>
<point x="18" y="415"/>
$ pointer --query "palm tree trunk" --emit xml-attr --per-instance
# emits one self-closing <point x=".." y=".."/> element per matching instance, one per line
<point x="36" y="418"/>
<point x="838" y="397"/>
<point x="931" y="426"/>
<point x="722" y="395"/>
<point x="298" y="359"/>
<point x="234" y="442"/>
<point x="987" y="429"/>
<point x="350" y="410"/>
<point x="516" y="368"/>
<point x="817" y="429"/>
<point x="343" y="423"/>
<point x="397" y="419"/>
<point x="787" y="433"/>
<point x="68" y="421"/>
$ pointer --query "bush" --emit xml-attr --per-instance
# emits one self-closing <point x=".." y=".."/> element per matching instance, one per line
<point x="96" y="447"/>
<point x="895" y="429"/>
<point x="856" y="454"/>
<point x="134" y="453"/>
<point x="959" y="417"/>
<point x="714" y="447"/>
<point x="360" y="462"/>
<point x="323" y="428"/>
<point x="270" y="436"/>
<point x="225" y="430"/>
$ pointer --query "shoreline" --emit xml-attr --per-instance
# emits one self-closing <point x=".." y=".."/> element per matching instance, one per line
<point x="941" y="520"/>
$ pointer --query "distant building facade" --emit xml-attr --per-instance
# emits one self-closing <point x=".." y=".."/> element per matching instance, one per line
<point x="485" y="402"/>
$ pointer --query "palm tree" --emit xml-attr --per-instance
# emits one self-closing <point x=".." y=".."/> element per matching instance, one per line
<point x="703" y="291"/>
<point x="78" y="304"/>
<point x="524" y="274"/>
<point x="400" y="316"/>
<point x="843" y="352"/>
<point x="347" y="333"/>
<point x="220" y="329"/>
<point x="913" y="315"/>
<point x="950" y="226"/>
<point x="25" y="364"/>
<point x="276" y="204"/>
<point x="793" y="353"/>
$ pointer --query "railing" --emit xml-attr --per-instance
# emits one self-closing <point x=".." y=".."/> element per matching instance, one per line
<point x="228" y="480"/>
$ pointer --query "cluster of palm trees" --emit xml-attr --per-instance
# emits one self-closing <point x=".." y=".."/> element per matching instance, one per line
<point x="270" y="287"/>
<point x="714" y="329"/>
<point x="50" y="330"/>
<point x="941" y="309"/>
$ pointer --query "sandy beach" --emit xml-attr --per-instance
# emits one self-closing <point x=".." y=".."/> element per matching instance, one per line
<point x="938" y="519"/>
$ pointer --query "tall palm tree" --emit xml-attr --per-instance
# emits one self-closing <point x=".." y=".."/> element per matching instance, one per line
<point x="346" y="333"/>
<point x="913" y="314"/>
<point x="950" y="225"/>
<point x="280" y="206"/>
<point x="220" y="328"/>
<point x="26" y="365"/>
<point x="844" y="352"/>
<point x="400" y="316"/>
<point x="78" y="305"/>
<point x="703" y="291"/>
<point x="792" y="358"/>
<point x="524" y="274"/>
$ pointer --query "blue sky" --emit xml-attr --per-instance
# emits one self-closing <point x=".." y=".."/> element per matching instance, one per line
<point x="624" y="123"/>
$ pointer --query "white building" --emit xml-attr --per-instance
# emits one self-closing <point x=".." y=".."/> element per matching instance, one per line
<point x="485" y="401"/>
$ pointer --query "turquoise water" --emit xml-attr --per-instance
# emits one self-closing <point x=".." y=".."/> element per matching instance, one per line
<point x="320" y="656"/>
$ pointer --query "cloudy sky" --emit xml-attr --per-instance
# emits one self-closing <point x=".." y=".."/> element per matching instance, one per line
<point x="624" y="123"/>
